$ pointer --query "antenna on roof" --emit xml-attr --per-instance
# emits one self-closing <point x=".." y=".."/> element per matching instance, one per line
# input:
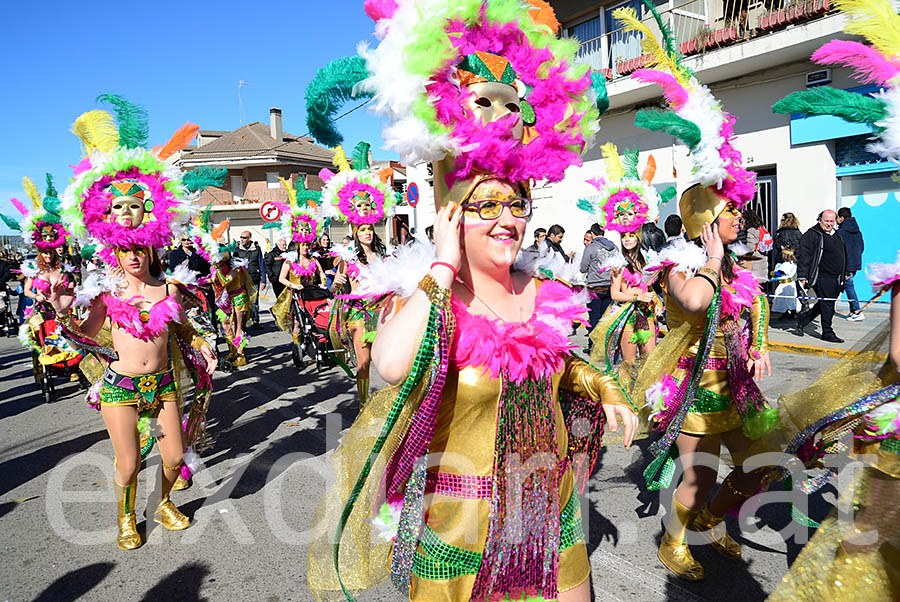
<point x="241" y="84"/>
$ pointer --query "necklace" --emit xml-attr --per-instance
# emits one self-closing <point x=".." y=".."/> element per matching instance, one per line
<point x="487" y="305"/>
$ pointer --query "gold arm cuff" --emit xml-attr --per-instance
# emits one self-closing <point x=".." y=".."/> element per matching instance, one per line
<point x="437" y="295"/>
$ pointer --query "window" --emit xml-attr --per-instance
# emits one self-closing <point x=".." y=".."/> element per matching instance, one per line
<point x="237" y="188"/>
<point x="272" y="179"/>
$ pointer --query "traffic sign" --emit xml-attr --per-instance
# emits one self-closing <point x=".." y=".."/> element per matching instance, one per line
<point x="269" y="211"/>
<point x="412" y="194"/>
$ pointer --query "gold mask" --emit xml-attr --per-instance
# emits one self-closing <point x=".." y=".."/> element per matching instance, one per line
<point x="492" y="101"/>
<point x="127" y="211"/>
<point x="700" y="205"/>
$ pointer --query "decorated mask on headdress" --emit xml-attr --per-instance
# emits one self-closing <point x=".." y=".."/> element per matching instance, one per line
<point x="123" y="194"/>
<point x="479" y="88"/>
<point x="298" y="218"/>
<point x="41" y="225"/>
<point x="626" y="200"/>
<point x="695" y="118"/>
<point x="878" y="63"/>
<point x="356" y="194"/>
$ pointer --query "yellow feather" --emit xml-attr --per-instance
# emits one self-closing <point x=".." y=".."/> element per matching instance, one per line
<point x="96" y="129"/>
<point x="614" y="169"/>
<point x="340" y="159"/>
<point x="659" y="59"/>
<point x="876" y="20"/>
<point x="292" y="192"/>
<point x="32" y="191"/>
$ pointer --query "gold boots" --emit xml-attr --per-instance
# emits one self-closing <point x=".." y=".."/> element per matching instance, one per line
<point x="170" y="516"/>
<point x="128" y="537"/>
<point x="362" y="388"/>
<point x="858" y="576"/>
<point x="180" y="484"/>
<point x="713" y="530"/>
<point x="674" y="552"/>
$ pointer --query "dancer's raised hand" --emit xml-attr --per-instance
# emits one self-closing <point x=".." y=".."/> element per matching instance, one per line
<point x="711" y="240"/>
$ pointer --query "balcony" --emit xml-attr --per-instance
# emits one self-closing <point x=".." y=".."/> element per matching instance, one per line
<point x="700" y="26"/>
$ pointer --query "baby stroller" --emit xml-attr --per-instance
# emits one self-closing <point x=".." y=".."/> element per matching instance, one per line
<point x="53" y="346"/>
<point x="312" y="306"/>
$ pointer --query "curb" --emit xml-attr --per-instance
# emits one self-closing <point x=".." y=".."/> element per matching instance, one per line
<point x="816" y="351"/>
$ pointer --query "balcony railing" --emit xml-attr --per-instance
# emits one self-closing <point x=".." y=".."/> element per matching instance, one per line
<point x="699" y="26"/>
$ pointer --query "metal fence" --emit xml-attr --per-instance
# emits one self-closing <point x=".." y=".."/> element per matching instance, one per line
<point x="699" y="26"/>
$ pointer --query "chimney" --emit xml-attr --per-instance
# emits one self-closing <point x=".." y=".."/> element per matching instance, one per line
<point x="275" y="124"/>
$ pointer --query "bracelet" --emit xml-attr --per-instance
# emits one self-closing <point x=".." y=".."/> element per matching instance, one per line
<point x="710" y="280"/>
<point x="714" y="257"/>
<point x="446" y="265"/>
<point x="711" y="272"/>
<point x="437" y="295"/>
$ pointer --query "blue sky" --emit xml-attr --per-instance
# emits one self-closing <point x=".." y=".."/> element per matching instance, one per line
<point x="182" y="61"/>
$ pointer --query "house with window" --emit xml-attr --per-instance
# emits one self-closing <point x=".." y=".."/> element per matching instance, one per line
<point x="750" y="53"/>
<point x="256" y="156"/>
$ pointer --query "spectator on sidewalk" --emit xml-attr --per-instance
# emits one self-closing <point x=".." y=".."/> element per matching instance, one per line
<point x="554" y="241"/>
<point x="652" y="238"/>
<point x="588" y="237"/>
<point x="273" y="262"/>
<point x="249" y="249"/>
<point x="787" y="236"/>
<point x="540" y="234"/>
<point x="181" y="253"/>
<point x="674" y="229"/>
<point x="822" y="266"/>
<point x="850" y="233"/>
<point x="596" y="255"/>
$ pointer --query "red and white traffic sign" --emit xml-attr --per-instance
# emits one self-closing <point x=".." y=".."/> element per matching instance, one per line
<point x="270" y="212"/>
<point x="412" y="194"/>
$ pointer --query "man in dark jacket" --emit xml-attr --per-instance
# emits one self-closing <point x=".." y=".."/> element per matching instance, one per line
<point x="182" y="253"/>
<point x="274" y="262"/>
<point x="554" y="241"/>
<point x="595" y="256"/>
<point x="850" y="233"/>
<point x="652" y="238"/>
<point x="822" y="265"/>
<point x="249" y="249"/>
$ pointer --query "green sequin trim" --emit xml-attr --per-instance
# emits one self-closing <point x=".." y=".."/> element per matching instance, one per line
<point x="707" y="401"/>
<point x="437" y="560"/>
<point x="761" y="327"/>
<point x="891" y="445"/>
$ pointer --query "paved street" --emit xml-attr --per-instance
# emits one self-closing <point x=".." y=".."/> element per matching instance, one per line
<point x="256" y="496"/>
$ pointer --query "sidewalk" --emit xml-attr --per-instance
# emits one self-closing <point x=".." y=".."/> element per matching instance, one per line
<point x="783" y="334"/>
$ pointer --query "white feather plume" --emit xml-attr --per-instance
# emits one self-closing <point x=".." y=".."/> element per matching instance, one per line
<point x="398" y="274"/>
<point x="29" y="269"/>
<point x="182" y="274"/>
<point x="95" y="282"/>
<point x="887" y="142"/>
<point x="685" y="257"/>
<point x="344" y="252"/>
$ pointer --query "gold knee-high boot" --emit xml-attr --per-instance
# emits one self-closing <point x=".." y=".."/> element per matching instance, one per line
<point x="362" y="388"/>
<point x="712" y="529"/>
<point x="674" y="552"/>
<point x="128" y="537"/>
<point x="167" y="514"/>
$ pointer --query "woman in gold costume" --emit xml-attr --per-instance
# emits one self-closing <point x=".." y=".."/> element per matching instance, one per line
<point x="855" y="554"/>
<point x="699" y="382"/>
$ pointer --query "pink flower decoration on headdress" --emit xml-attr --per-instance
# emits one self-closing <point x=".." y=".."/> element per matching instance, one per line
<point x="44" y="245"/>
<point x="346" y="206"/>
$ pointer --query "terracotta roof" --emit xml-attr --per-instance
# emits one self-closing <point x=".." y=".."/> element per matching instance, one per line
<point x="254" y="139"/>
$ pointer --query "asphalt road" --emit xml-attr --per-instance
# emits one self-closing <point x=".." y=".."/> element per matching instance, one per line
<point x="253" y="502"/>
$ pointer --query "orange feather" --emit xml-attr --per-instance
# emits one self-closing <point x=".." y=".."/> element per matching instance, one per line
<point x="219" y="230"/>
<point x="650" y="170"/>
<point x="385" y="174"/>
<point x="543" y="14"/>
<point x="179" y="140"/>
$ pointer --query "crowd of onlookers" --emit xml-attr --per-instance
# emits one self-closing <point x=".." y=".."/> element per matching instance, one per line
<point x="804" y="272"/>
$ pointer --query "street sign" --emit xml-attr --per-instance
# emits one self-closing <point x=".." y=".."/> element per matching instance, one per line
<point x="412" y="194"/>
<point x="269" y="211"/>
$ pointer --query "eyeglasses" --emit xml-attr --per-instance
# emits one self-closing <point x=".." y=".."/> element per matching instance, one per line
<point x="492" y="208"/>
<point x="245" y="238"/>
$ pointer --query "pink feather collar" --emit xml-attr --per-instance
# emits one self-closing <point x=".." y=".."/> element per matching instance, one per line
<point x="740" y="293"/>
<point x="531" y="349"/>
<point x="142" y="324"/>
